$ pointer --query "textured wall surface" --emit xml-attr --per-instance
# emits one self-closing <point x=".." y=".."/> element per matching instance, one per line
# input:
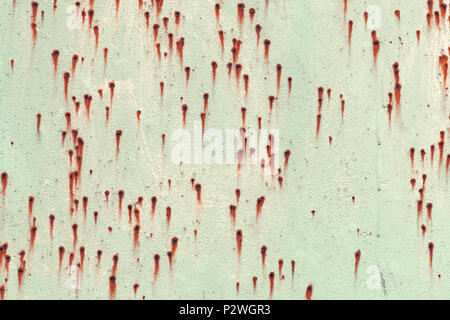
<point x="352" y="204"/>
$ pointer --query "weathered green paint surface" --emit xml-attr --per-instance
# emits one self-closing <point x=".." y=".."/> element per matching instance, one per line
<point x="367" y="159"/>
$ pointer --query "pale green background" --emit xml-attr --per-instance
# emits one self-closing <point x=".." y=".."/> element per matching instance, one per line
<point x="309" y="38"/>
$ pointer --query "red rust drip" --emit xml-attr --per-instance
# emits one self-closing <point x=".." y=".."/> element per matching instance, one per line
<point x="259" y="205"/>
<point x="61" y="251"/>
<point x="55" y="56"/>
<point x="221" y="38"/>
<point x="239" y="237"/>
<point x="309" y="291"/>
<point x="66" y="77"/>
<point x="376" y="47"/>
<point x="155" y="273"/>
<point x="429" y="210"/>
<point x="279" y="69"/>
<point x="121" y="194"/>
<point x="266" y="50"/>
<point x="34" y="10"/>
<point x="205" y="102"/>
<point x="75" y="235"/>
<point x="357" y="258"/>
<point x="233" y="213"/>
<point x="168" y="215"/>
<point x="198" y="188"/>
<point x="350" y="30"/>
<point x="258" y="29"/>
<point x="52" y="222"/>
<point x="271" y="283"/>
<point x="217" y="10"/>
<point x="319" y="117"/>
<point x="153" y="201"/>
<point x="214" y="68"/>
<point x="118" y="136"/>
<point x="112" y="282"/>
<point x="430" y="249"/>
<point x="240" y="13"/>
